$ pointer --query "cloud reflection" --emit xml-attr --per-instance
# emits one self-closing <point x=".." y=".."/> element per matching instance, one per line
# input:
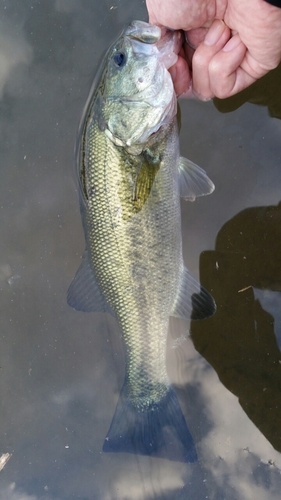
<point x="160" y="478"/>
<point x="11" y="492"/>
<point x="14" y="51"/>
<point x="234" y="451"/>
<point x="67" y="5"/>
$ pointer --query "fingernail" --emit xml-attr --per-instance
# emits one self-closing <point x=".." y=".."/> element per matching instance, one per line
<point x="214" y="33"/>
<point x="232" y="43"/>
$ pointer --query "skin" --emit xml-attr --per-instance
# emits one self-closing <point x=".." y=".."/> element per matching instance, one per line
<point x="229" y="43"/>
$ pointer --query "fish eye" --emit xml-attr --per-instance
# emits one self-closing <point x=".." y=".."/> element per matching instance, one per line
<point x="119" y="59"/>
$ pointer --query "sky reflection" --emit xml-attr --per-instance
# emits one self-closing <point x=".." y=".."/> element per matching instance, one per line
<point x="61" y="370"/>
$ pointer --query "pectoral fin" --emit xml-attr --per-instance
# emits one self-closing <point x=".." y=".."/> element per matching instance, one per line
<point x="84" y="293"/>
<point x="193" y="180"/>
<point x="193" y="300"/>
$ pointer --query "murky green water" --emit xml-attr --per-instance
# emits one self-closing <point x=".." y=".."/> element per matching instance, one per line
<point x="61" y="371"/>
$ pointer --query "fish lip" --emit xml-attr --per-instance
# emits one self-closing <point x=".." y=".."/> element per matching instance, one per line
<point x="168" y="42"/>
<point x="168" y="35"/>
<point x="143" y="32"/>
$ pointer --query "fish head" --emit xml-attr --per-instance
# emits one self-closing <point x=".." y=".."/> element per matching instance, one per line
<point x="138" y="95"/>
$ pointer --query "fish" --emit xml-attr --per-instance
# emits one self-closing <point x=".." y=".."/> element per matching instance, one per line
<point x="131" y="177"/>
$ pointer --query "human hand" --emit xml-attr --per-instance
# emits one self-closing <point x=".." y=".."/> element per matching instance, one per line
<point x="230" y="43"/>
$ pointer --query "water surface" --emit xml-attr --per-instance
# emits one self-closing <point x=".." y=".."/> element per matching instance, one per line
<point x="61" y="370"/>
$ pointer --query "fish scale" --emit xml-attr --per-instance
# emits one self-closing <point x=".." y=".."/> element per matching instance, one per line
<point x="131" y="177"/>
<point x="135" y="285"/>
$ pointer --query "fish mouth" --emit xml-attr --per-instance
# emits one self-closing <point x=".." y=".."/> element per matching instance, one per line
<point x="169" y="46"/>
<point x="167" y="41"/>
<point x="156" y="51"/>
<point x="143" y="32"/>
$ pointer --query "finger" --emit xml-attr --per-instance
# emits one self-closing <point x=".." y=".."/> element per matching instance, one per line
<point x="228" y="71"/>
<point x="196" y="36"/>
<point x="151" y="6"/>
<point x="187" y="53"/>
<point x="181" y="76"/>
<point x="215" y="40"/>
<point x="152" y="19"/>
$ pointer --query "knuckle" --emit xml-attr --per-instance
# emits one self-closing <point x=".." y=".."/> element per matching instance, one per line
<point x="199" y="59"/>
<point x="215" y="67"/>
<point x="219" y="81"/>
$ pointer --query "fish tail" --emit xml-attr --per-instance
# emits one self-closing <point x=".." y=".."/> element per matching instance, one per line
<point x="159" y="430"/>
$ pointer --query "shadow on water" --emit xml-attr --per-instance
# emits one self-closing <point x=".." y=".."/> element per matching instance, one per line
<point x="265" y="92"/>
<point x="239" y="341"/>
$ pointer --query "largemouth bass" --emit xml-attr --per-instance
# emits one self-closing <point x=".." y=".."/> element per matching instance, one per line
<point x="131" y="178"/>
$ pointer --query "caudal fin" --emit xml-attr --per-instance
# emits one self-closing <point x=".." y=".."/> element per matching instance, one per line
<point x="159" y="431"/>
